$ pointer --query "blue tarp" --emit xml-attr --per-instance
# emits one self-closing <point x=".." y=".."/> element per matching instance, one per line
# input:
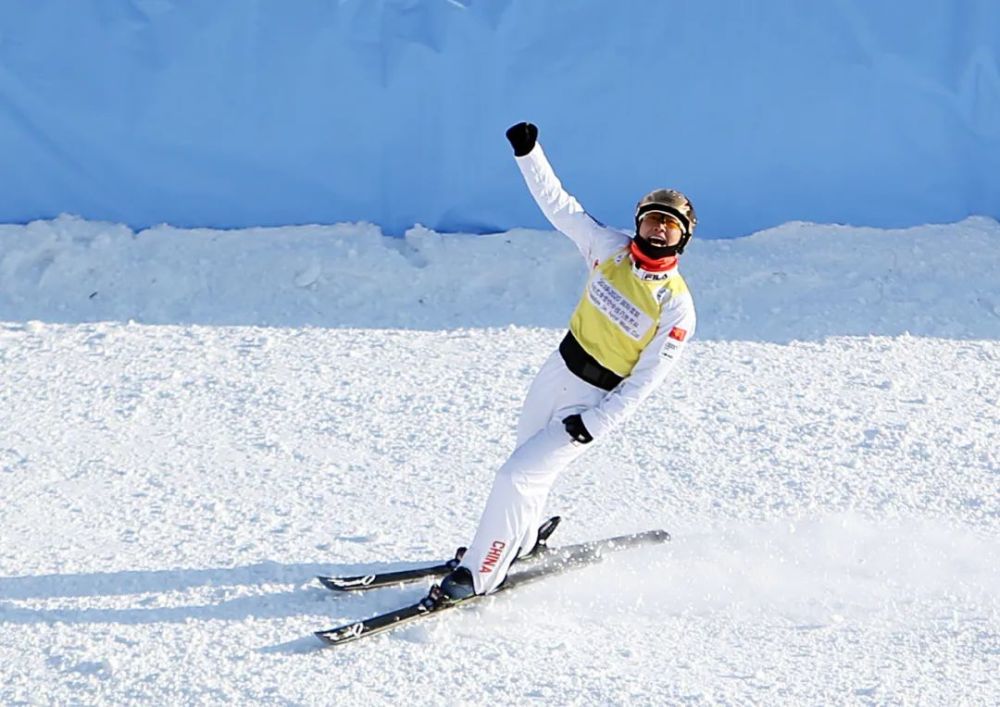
<point x="232" y="113"/>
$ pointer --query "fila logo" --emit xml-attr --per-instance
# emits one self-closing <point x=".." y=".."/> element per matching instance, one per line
<point x="645" y="275"/>
<point x="493" y="556"/>
<point x="678" y="334"/>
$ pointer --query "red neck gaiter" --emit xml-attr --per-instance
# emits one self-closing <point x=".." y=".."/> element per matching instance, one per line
<point x="648" y="264"/>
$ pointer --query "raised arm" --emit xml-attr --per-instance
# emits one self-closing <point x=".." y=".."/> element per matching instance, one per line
<point x="594" y="240"/>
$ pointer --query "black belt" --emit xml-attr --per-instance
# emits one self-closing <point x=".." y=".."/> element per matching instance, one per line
<point x="585" y="367"/>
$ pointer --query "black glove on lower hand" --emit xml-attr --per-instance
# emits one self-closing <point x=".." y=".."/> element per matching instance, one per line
<point x="577" y="430"/>
<point x="522" y="137"/>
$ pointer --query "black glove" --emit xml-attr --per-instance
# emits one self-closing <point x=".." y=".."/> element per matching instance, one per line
<point x="522" y="138"/>
<point x="577" y="430"/>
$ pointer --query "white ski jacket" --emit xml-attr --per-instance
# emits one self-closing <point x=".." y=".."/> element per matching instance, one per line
<point x="597" y="243"/>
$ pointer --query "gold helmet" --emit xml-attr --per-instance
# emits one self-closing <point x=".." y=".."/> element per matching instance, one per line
<point x="672" y="202"/>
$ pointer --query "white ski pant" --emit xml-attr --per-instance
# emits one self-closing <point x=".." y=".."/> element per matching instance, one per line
<point x="516" y="502"/>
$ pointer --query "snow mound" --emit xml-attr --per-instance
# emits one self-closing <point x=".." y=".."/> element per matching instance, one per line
<point x="799" y="281"/>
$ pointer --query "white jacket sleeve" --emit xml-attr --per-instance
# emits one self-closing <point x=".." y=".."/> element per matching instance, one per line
<point x="594" y="240"/>
<point x="676" y="327"/>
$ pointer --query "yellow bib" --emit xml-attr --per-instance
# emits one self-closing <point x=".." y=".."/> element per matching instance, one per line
<point x="619" y="312"/>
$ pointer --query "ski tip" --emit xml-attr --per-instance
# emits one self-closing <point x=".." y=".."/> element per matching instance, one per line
<point x="329" y="583"/>
<point x="345" y="634"/>
<point x="339" y="584"/>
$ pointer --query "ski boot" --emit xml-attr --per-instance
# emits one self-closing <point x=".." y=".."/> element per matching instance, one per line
<point x="457" y="585"/>
<point x="545" y="531"/>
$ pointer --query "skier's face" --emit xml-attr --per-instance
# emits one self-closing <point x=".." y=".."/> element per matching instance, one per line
<point x="660" y="229"/>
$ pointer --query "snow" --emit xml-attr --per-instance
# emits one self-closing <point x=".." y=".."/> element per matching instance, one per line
<point x="194" y="423"/>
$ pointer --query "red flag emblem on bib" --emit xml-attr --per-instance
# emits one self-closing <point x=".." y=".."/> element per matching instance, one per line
<point x="678" y="334"/>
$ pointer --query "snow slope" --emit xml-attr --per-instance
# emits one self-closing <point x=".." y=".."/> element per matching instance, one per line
<point x="193" y="423"/>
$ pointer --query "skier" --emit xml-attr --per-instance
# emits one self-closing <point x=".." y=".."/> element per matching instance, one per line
<point x="627" y="331"/>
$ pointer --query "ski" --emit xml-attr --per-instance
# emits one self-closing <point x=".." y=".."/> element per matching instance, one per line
<point x="385" y="579"/>
<point x="414" y="574"/>
<point x="554" y="562"/>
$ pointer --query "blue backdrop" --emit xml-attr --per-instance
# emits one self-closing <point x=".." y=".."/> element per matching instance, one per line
<point x="231" y="113"/>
